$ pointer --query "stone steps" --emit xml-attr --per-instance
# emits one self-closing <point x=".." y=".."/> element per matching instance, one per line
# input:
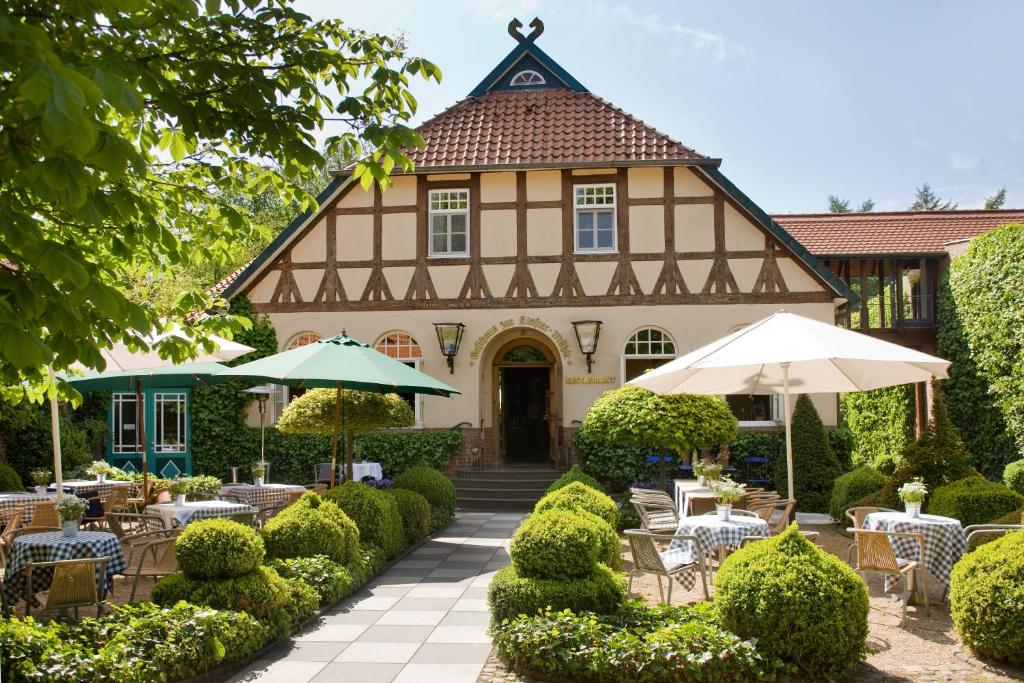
<point x="514" y="489"/>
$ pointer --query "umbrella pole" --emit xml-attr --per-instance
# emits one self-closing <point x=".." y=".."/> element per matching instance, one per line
<point x="337" y="432"/>
<point x="140" y="419"/>
<point x="789" y="419"/>
<point x="58" y="473"/>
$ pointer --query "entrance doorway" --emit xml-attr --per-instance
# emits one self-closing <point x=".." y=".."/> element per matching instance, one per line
<point x="524" y="414"/>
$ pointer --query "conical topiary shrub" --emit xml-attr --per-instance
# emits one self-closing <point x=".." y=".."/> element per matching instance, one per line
<point x="814" y="464"/>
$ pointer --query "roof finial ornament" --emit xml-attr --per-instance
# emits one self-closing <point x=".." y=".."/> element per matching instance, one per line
<point x="513" y="30"/>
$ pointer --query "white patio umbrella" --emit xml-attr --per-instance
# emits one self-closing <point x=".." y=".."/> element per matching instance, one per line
<point x="787" y="352"/>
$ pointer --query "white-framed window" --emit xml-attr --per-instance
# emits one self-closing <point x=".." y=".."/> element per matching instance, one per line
<point x="401" y="346"/>
<point x="527" y="77"/>
<point x="449" y="222"/>
<point x="170" y="436"/>
<point x="648" y="348"/>
<point x="595" y="218"/>
<point x="283" y="395"/>
<point x="123" y="429"/>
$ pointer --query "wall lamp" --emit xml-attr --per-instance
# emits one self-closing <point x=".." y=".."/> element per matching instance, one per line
<point x="587" y="332"/>
<point x="449" y="337"/>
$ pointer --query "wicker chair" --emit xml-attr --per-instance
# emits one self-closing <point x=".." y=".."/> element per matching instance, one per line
<point x="875" y="553"/>
<point x="767" y="510"/>
<point x="656" y="514"/>
<point x="125" y="523"/>
<point x="975" y="532"/>
<point x="269" y="510"/>
<point x="648" y="560"/>
<point x="651" y="494"/>
<point x="45" y="514"/>
<point x="26" y="530"/>
<point x="116" y="499"/>
<point x="12" y="523"/>
<point x="857" y="516"/>
<point x="152" y="553"/>
<point x="75" y="583"/>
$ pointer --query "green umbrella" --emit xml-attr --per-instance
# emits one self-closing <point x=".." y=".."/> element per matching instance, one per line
<point x="343" y="363"/>
<point x="180" y="375"/>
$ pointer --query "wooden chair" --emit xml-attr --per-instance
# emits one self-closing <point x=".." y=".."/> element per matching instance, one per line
<point x="152" y="553"/>
<point x="647" y="559"/>
<point x="875" y="553"/>
<point x="75" y="583"/>
<point x="655" y="516"/>
<point x="10" y="526"/>
<point x="45" y="514"/>
<point x="857" y="516"/>
<point x="767" y="510"/>
<point x="975" y="532"/>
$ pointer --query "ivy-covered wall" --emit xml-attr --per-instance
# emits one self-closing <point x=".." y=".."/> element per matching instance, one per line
<point x="980" y="320"/>
<point x="881" y="423"/>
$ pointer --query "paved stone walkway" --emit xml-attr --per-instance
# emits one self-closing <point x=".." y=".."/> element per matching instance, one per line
<point x="423" y="620"/>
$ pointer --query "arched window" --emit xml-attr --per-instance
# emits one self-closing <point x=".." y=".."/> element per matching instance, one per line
<point x="283" y="395"/>
<point x="401" y="346"/>
<point x="645" y="350"/>
<point x="527" y="77"/>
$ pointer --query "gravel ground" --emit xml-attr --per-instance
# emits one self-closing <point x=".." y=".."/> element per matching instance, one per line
<point x="925" y="649"/>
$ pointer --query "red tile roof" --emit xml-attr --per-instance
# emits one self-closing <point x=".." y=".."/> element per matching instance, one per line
<point x="897" y="232"/>
<point x="540" y="126"/>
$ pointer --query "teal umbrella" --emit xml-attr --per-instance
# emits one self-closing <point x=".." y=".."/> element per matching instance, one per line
<point x="340" y="362"/>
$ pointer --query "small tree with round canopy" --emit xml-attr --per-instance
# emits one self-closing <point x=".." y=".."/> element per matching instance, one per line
<point x="631" y="416"/>
<point x="317" y="412"/>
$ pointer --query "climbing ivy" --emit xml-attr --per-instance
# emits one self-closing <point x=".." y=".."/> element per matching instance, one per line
<point x="882" y="424"/>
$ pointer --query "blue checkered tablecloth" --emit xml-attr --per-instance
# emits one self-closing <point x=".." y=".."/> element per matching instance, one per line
<point x="712" y="534"/>
<point x="944" y="540"/>
<point x="54" y="546"/>
<point x="180" y="515"/>
<point x="26" y="502"/>
<point x="259" y="495"/>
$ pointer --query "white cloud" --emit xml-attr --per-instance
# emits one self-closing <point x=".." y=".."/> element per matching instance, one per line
<point x="963" y="162"/>
<point x="704" y="45"/>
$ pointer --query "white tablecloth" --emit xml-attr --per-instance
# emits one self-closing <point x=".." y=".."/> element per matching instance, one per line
<point x="366" y="469"/>
<point x="687" y="489"/>
<point x="195" y="510"/>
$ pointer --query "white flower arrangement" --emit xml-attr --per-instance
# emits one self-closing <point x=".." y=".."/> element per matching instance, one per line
<point x="71" y="508"/>
<point x="727" y="492"/>
<point x="40" y="477"/>
<point x="913" y="491"/>
<point x="712" y="471"/>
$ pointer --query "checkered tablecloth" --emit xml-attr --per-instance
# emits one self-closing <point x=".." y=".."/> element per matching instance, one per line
<point x="712" y="534"/>
<point x="26" y="502"/>
<point x="54" y="546"/>
<point x="260" y="495"/>
<point x="944" y="541"/>
<point x="180" y="515"/>
<point x="101" y="488"/>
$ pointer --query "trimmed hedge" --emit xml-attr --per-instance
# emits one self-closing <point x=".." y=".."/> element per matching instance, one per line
<point x="882" y="424"/>
<point x="851" y="487"/>
<point x="576" y="474"/>
<point x="415" y="512"/>
<point x="374" y="512"/>
<point x="309" y="527"/>
<point x="986" y="597"/>
<point x="577" y="495"/>
<point x="218" y="549"/>
<point x="618" y="464"/>
<point x="399" y="451"/>
<point x="435" y="487"/>
<point x="9" y="479"/>
<point x="814" y="464"/>
<point x="803" y="605"/>
<point x="609" y="548"/>
<point x="1013" y="476"/>
<point x="556" y="544"/>
<point x="511" y="594"/>
<point x="974" y="500"/>
<point x="330" y="580"/>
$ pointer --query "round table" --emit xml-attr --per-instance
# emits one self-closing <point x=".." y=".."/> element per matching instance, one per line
<point x="195" y="510"/>
<point x="713" y="533"/>
<point x="258" y="495"/>
<point x="53" y="546"/>
<point x="944" y="539"/>
<point x="26" y="502"/>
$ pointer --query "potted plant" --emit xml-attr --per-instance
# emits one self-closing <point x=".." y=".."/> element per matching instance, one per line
<point x="98" y="469"/>
<point x="41" y="478"/>
<point x="912" y="494"/>
<point x="712" y="472"/>
<point x="698" y="471"/>
<point x="257" y="474"/>
<point x="178" y="488"/>
<point x="726" y="492"/>
<point x="71" y="511"/>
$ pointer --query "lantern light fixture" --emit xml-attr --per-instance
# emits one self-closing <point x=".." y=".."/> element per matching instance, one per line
<point x="449" y="338"/>
<point x="587" y="332"/>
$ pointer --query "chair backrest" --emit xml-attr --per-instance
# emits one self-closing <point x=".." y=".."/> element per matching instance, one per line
<point x="117" y="499"/>
<point x="10" y="524"/>
<point x="976" y="532"/>
<point x="323" y="471"/>
<point x="645" y="554"/>
<point x="45" y="514"/>
<point x="318" y="489"/>
<point x="875" y="552"/>
<point x="701" y="504"/>
<point x="268" y="511"/>
<point x="74" y="582"/>
<point x="125" y="523"/>
<point x="857" y="515"/>
<point x="767" y="510"/>
<point x="652" y="514"/>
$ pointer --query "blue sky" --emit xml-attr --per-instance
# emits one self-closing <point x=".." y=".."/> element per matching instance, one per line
<point x="799" y="99"/>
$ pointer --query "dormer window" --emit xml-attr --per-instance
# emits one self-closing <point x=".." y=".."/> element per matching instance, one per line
<point x="527" y="77"/>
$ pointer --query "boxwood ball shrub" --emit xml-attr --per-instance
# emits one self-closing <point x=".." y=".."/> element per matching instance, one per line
<point x="576" y="474"/>
<point x="432" y="485"/>
<point x="375" y="514"/>
<point x="579" y="495"/>
<point x="556" y="544"/>
<point x="330" y="580"/>
<point x="974" y="500"/>
<point x="1013" y="476"/>
<point x="851" y="487"/>
<point x="609" y="548"/>
<point x="511" y="594"/>
<point x="218" y="548"/>
<point x="986" y="597"/>
<point x="803" y="605"/>
<point x="415" y="512"/>
<point x="311" y="526"/>
<point x="9" y="479"/>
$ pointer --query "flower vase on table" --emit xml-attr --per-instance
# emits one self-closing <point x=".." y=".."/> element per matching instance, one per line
<point x="178" y="489"/>
<point x="724" y="511"/>
<point x="913" y="510"/>
<point x="41" y="478"/>
<point x="71" y="510"/>
<point x="257" y="475"/>
<point x="726" y="492"/>
<point x="180" y="500"/>
<point x="912" y="494"/>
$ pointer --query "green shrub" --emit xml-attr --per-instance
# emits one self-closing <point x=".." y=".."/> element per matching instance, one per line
<point x="803" y="605"/>
<point x="1013" y="476"/>
<point x="814" y="465"/>
<point x="375" y="514"/>
<point x="25" y="430"/>
<point x="218" y="548"/>
<point x="609" y="548"/>
<point x="398" y="451"/>
<point x="840" y="440"/>
<point x="1015" y="517"/>
<point x="621" y="465"/>
<point x="986" y="595"/>
<point x="556" y="544"/>
<point x="576" y="474"/>
<point x="578" y="495"/>
<point x="881" y="423"/>
<point x="511" y="594"/>
<point x="974" y="500"/>
<point x="311" y="526"/>
<point x="415" y="512"/>
<point x="368" y="561"/>
<point x="9" y="479"/>
<point x="432" y="485"/>
<point x="330" y="580"/>
<point x="637" y="643"/>
<point x="851" y="487"/>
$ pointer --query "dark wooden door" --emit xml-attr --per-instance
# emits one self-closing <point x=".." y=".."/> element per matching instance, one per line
<point x="525" y="433"/>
